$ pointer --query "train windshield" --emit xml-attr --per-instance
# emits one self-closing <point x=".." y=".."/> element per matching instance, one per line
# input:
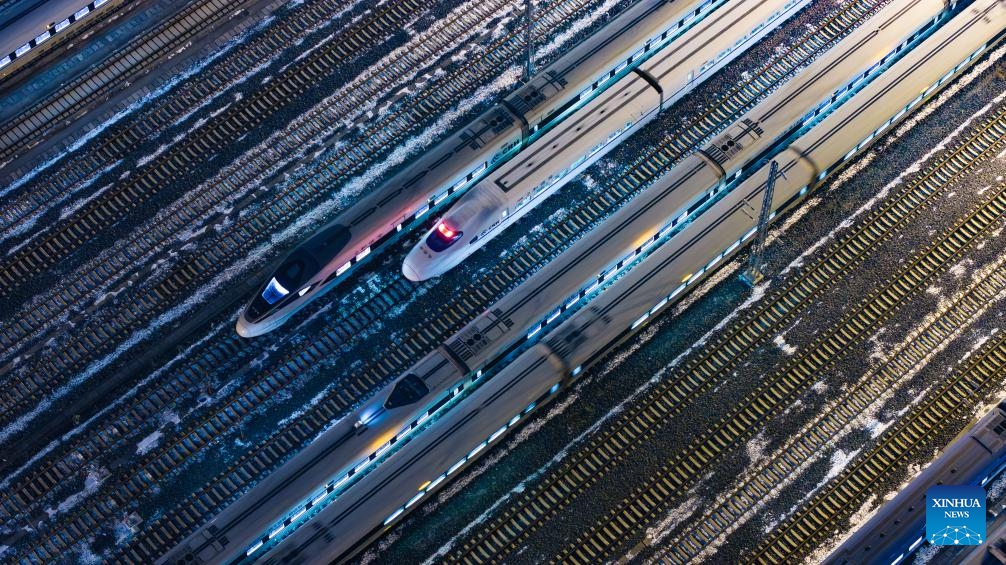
<point x="408" y="390"/>
<point x="443" y="237"/>
<point x="274" y="291"/>
<point x="290" y="275"/>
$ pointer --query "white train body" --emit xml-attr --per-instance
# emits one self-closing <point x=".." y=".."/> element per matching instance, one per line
<point x="326" y="485"/>
<point x="446" y="170"/>
<point x="551" y="160"/>
<point x="454" y="441"/>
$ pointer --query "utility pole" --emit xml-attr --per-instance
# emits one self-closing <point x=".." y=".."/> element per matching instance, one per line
<point x="753" y="275"/>
<point x="528" y="41"/>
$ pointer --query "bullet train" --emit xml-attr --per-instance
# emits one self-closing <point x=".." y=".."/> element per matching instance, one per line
<point x="452" y="442"/>
<point x="899" y="527"/>
<point x="446" y="170"/>
<point x="514" y="189"/>
<point x="390" y="415"/>
<point x="329" y="469"/>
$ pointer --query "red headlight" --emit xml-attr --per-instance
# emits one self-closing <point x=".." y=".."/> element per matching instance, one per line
<point x="445" y="231"/>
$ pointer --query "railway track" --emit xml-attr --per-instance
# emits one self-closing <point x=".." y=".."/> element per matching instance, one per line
<point x="776" y="75"/>
<point x="71" y="356"/>
<point x="774" y="393"/>
<point x="913" y="436"/>
<point x="834" y="421"/>
<point x="137" y="57"/>
<point x="168" y="110"/>
<point x="384" y="368"/>
<point x="631" y="430"/>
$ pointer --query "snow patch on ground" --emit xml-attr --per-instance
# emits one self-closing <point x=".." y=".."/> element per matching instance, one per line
<point x="673" y="519"/>
<point x="780" y="341"/>
<point x="755" y="448"/>
<point x="91" y="483"/>
<point x="149" y="442"/>
<point x="84" y="554"/>
<point x="839" y="460"/>
<point x="961" y="269"/>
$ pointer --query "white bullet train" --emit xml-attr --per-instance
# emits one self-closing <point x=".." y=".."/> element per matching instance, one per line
<point x="328" y="469"/>
<point x="451" y="443"/>
<point x="551" y="160"/>
<point x="446" y="170"/>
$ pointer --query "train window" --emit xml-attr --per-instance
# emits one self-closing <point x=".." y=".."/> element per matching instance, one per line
<point x="5" y="61"/>
<point x="22" y="50"/>
<point x="408" y="390"/>
<point x="62" y="25"/>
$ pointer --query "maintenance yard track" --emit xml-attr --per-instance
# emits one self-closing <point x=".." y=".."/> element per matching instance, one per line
<point x="603" y="452"/>
<point x="940" y="412"/>
<point x="137" y="57"/>
<point x="806" y="446"/>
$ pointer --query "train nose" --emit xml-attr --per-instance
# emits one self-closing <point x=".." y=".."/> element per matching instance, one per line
<point x="246" y="329"/>
<point x="242" y="328"/>
<point x="409" y="272"/>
